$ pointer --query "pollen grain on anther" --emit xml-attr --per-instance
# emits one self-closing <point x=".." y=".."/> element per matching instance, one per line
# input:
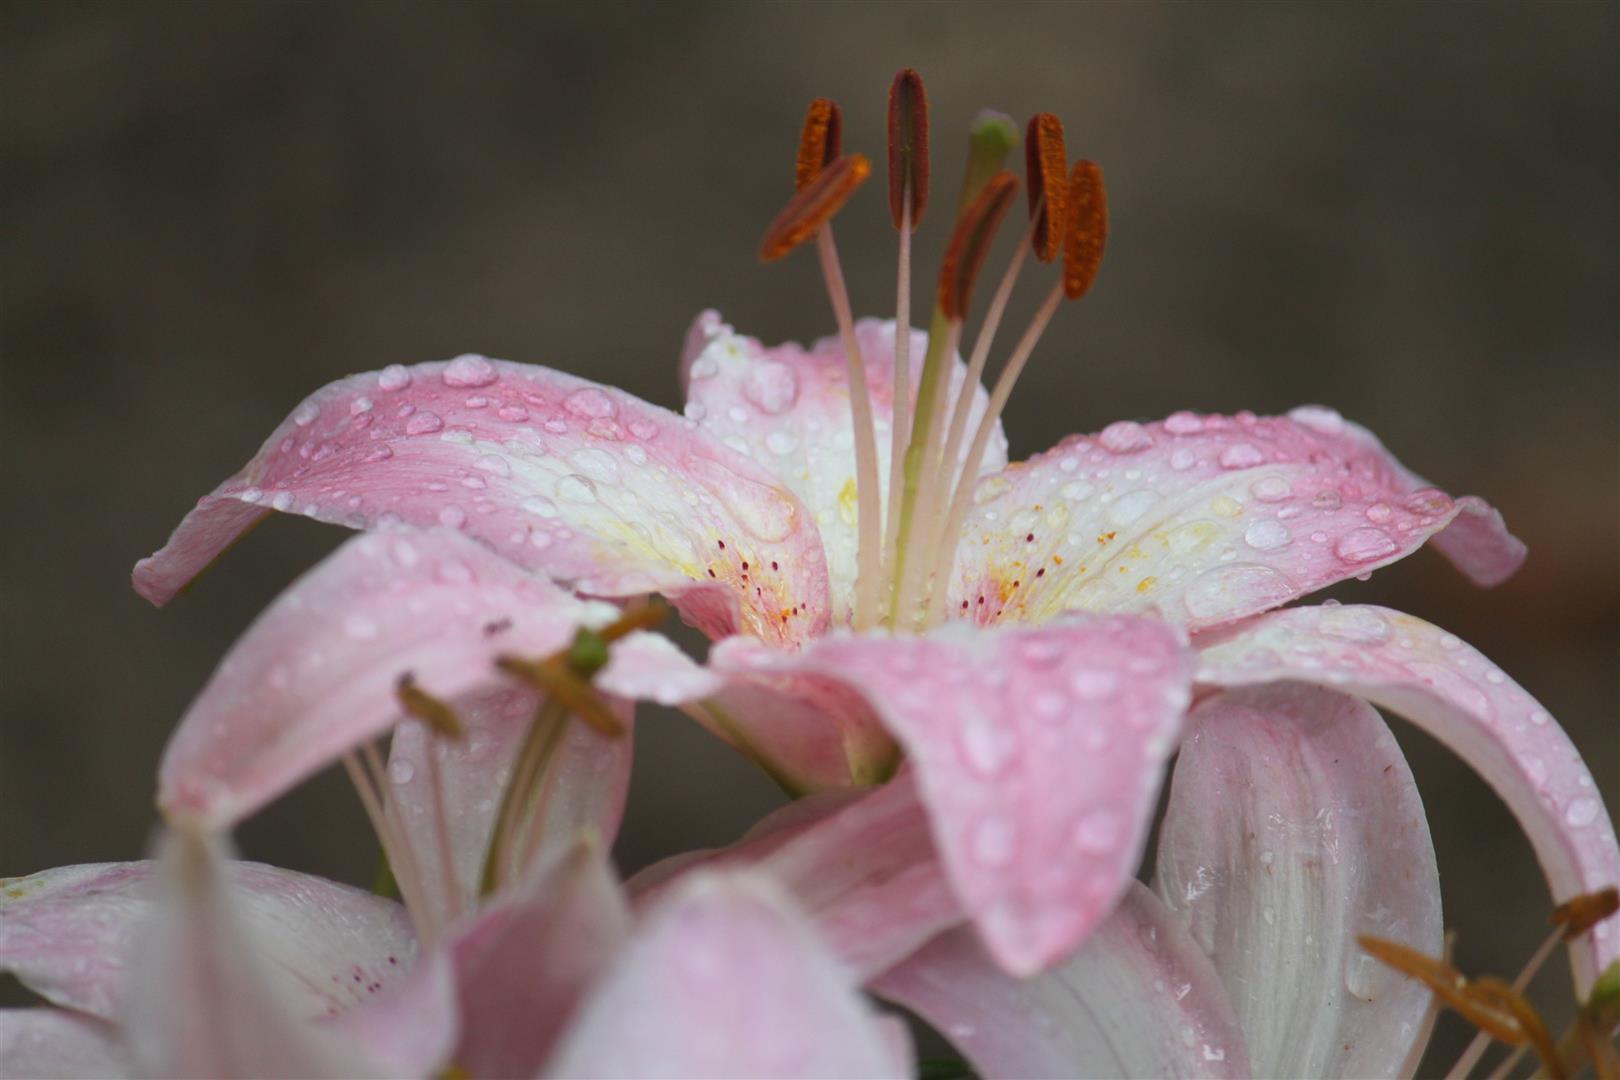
<point x="1087" y="229"/>
<point x="814" y="206"/>
<point x="970" y="243"/>
<point x="1046" y="169"/>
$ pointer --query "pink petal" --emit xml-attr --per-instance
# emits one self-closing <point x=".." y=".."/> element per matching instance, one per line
<point x="205" y="998"/>
<point x="317" y="673"/>
<point x="726" y="979"/>
<point x="1206" y="520"/>
<point x="524" y="962"/>
<point x="558" y="474"/>
<point x="1138" y="1000"/>
<point x="1038" y="754"/>
<point x="788" y="408"/>
<point x="862" y="867"/>
<point x="410" y="1031"/>
<point x="48" y="1043"/>
<point x="67" y="933"/>
<point x="1406" y="665"/>
<point x="1294" y="826"/>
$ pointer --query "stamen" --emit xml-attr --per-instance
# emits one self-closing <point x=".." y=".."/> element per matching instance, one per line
<point x="970" y="243"/>
<point x="1088" y="229"/>
<point x="1046" y="168"/>
<point x="440" y="720"/>
<point x="814" y="205"/>
<point x="564" y="687"/>
<point x="425" y="707"/>
<point x="820" y="142"/>
<point x="1579" y="914"/>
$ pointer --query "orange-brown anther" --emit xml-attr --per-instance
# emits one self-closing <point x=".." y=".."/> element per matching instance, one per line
<point x="820" y="142"/>
<point x="1579" y="914"/>
<point x="812" y="207"/>
<point x="970" y="243"/>
<point x="908" y="147"/>
<point x="1087" y="229"/>
<point x="1046" y="170"/>
<point x="427" y="708"/>
<point x="1499" y="998"/>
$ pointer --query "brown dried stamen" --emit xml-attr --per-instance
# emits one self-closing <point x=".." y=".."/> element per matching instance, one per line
<point x="564" y="688"/>
<point x="908" y="147"/>
<point x="1579" y="914"/>
<point x="820" y="142"/>
<point x="1087" y="231"/>
<point x="425" y="707"/>
<point x="970" y="243"/>
<point x="814" y="206"/>
<point x="1046" y="168"/>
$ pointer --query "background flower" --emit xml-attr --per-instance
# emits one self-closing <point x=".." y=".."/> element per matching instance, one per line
<point x="215" y="212"/>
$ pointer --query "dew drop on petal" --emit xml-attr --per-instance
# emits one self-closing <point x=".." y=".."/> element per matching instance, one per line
<point x="493" y="464"/>
<point x="1098" y="832"/>
<point x="306" y="413"/>
<point x="423" y="423"/>
<point x="1365" y="545"/>
<point x="1266" y="534"/>
<point x="1319" y="418"/>
<point x="1183" y="423"/>
<point x="360" y="627"/>
<point x="512" y="414"/>
<point x="575" y="488"/>
<point x="1124" y="437"/>
<point x="591" y="403"/>
<point x="986" y="748"/>
<point x="1271" y="489"/>
<point x="401" y="771"/>
<point x="1582" y="811"/>
<point x="1241" y="456"/>
<point x="452" y="516"/>
<point x="596" y="464"/>
<point x="394" y="377"/>
<point x="994" y="841"/>
<point x="1224" y="591"/>
<point x="469" y="370"/>
<point x="1360" y="625"/>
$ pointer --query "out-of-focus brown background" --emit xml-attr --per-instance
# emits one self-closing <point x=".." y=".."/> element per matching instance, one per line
<point x="210" y="210"/>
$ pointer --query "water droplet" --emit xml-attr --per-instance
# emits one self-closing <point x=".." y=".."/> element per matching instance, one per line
<point x="1429" y="502"/>
<point x="1266" y="534"/>
<point x="643" y="429"/>
<point x="986" y="748"/>
<point x="1327" y="499"/>
<point x="469" y="370"/>
<point x="360" y="406"/>
<point x="381" y="453"/>
<point x="401" y="771"/>
<point x="772" y="386"/>
<point x="1241" y="456"/>
<point x="405" y="553"/>
<point x="250" y="495"/>
<point x="635" y="455"/>
<point x="1365" y="545"/>
<point x="476" y="401"/>
<point x="1271" y="489"/>
<point x="493" y="464"/>
<point x="1267" y="858"/>
<point x="1583" y="811"/>
<point x="704" y="367"/>
<point x="781" y="443"/>
<point x="1183" y="423"/>
<point x="423" y="423"/>
<point x="360" y="627"/>
<point x="1379" y="513"/>
<point x="1098" y="832"/>
<point x="306" y="413"/>
<point x="1319" y="418"/>
<point x="394" y="377"/>
<point x="452" y="516"/>
<point x="282" y="501"/>
<point x="591" y="403"/>
<point x="577" y="489"/>
<point x="1183" y="459"/>
<point x="994" y="841"/>
<point x="1361" y="625"/>
<point x="1124" y="437"/>
<point x="1224" y="591"/>
<point x="596" y="464"/>
<point x="1093" y="684"/>
<point x="513" y="413"/>
<point x="1131" y="506"/>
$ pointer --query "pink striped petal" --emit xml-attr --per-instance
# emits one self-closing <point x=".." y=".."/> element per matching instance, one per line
<point x="67" y="933"/>
<point x="1038" y="754"/>
<point x="204" y="996"/>
<point x="524" y="962"/>
<point x="1294" y="826"/>
<point x="44" y="1044"/>
<point x="863" y="867"/>
<point x="597" y="489"/>
<point x="1406" y="665"/>
<point x="317" y="673"/>
<point x="1138" y="1000"/>
<point x="789" y="409"/>
<point x="1206" y="520"/>
<point x="727" y="979"/>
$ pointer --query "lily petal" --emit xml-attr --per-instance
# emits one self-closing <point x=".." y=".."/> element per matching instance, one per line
<point x="44" y="1044"/>
<point x="1038" y="752"/>
<point x="1207" y="520"/>
<point x="788" y="408"/>
<point x="317" y="673"/>
<point x="1294" y="826"/>
<point x="1138" y="1000"/>
<point x="726" y="979"/>
<point x="584" y="482"/>
<point x="204" y="999"/>
<point x="67" y="933"/>
<point x="862" y="866"/>
<point x="1421" y="672"/>
<point x="524" y="962"/>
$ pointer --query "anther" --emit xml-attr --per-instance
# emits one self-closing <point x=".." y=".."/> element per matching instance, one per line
<point x="970" y="243"/>
<point x="1579" y="914"/>
<point x="425" y="707"/>
<point x="1046" y="169"/>
<point x="908" y="148"/>
<point x="1088" y="229"/>
<point x="814" y="205"/>
<point x="820" y="142"/>
<point x="575" y="695"/>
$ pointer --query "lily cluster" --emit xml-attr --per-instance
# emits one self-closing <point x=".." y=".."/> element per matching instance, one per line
<point x="971" y="674"/>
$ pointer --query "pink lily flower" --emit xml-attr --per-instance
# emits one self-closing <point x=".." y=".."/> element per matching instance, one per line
<point x="1028" y="638"/>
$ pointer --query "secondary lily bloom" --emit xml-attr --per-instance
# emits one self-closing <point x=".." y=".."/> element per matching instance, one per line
<point x="884" y="587"/>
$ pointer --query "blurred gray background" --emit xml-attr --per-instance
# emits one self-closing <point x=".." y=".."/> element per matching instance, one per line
<point x="1408" y="212"/>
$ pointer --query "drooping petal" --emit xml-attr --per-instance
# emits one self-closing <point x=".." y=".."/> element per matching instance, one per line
<point x="204" y="998"/>
<point x="318" y="672"/>
<point x="1294" y="826"/>
<point x="788" y="408"/>
<point x="1038" y="754"/>
<point x="66" y="934"/>
<point x="1447" y="688"/>
<point x="1138" y="1000"/>
<point x="46" y="1044"/>
<point x="409" y="1031"/>
<point x="583" y="482"/>
<point x="524" y="962"/>
<point x="727" y="979"/>
<point x="1206" y="520"/>
<point x="863" y="868"/>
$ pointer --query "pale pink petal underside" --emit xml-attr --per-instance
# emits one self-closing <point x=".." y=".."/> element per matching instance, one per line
<point x="1419" y="671"/>
<point x="1038" y="752"/>
<point x="1294" y="826"/>
<point x="1207" y="519"/>
<point x="524" y="962"/>
<point x="411" y="1030"/>
<point x="318" y="672"/>
<point x="863" y="867"/>
<point x="67" y="933"/>
<point x="54" y="1044"/>
<point x="584" y="482"/>
<point x="1138" y="1000"/>
<point x="789" y="409"/>
<point x="726" y="978"/>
